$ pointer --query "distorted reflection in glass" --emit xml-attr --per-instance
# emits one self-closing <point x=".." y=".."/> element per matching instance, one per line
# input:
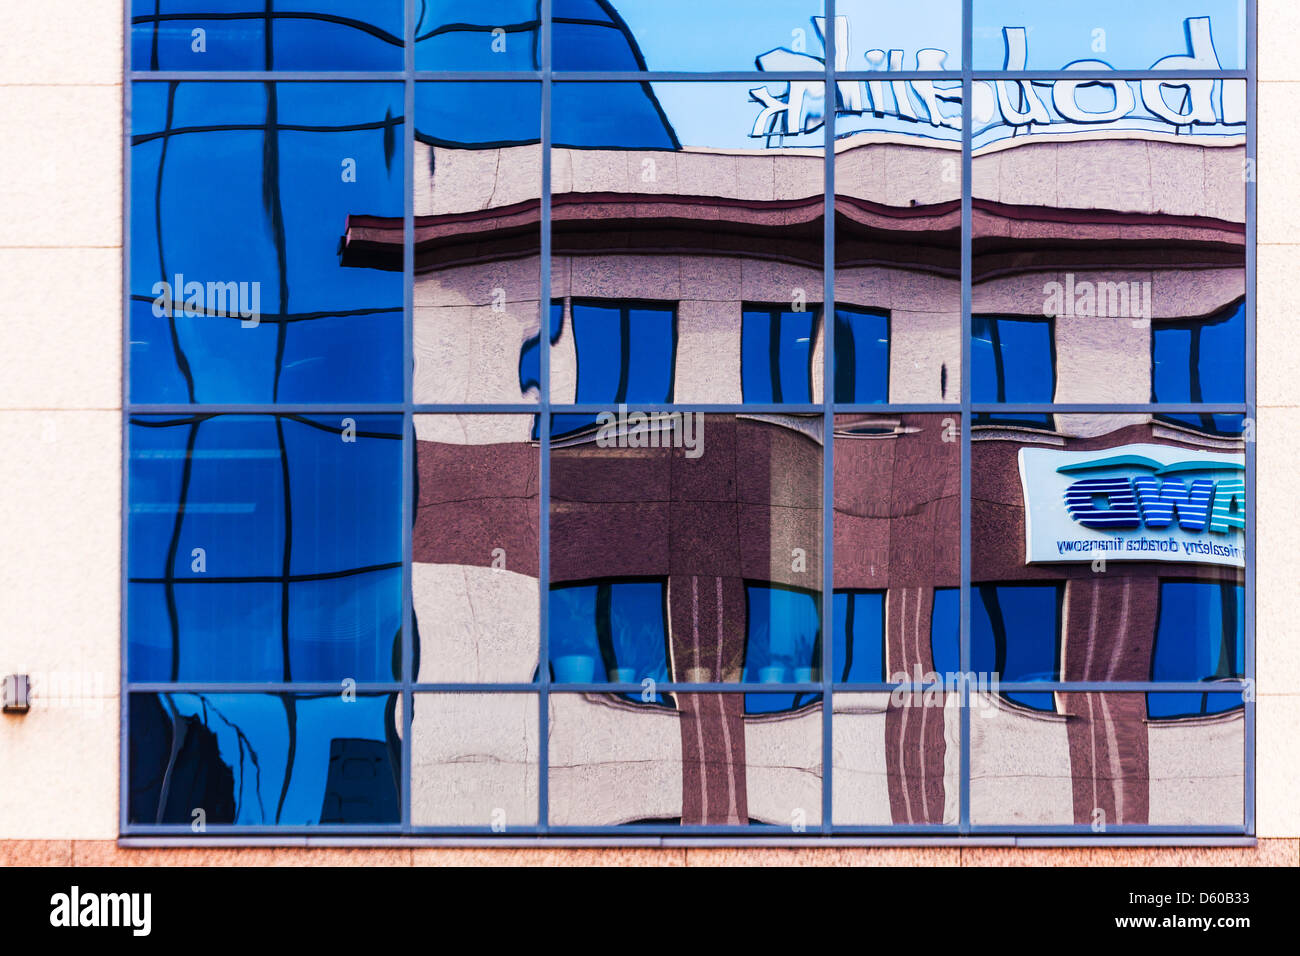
<point x="474" y="760"/>
<point x="714" y="760"/>
<point x="673" y="204"/>
<point x="265" y="548"/>
<point x="254" y="35"/>
<point x="897" y="243"/>
<point x="253" y="277"/>
<point x="1109" y="550"/>
<point x="1110" y="268"/>
<point x="288" y="760"/>
<point x="1102" y="34"/>
<point x="478" y="187"/>
<point x="897" y="526"/>
<point x="710" y="511"/>
<point x="682" y="35"/>
<point x="896" y="758"/>
<point x="1097" y="759"/>
<point x="474" y="548"/>
<point x="501" y="35"/>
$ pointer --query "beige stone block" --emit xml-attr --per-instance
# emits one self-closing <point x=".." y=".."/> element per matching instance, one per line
<point x="612" y="761"/>
<point x="1279" y="24"/>
<point x="479" y="624"/>
<point x="783" y="768"/>
<point x="66" y="758"/>
<point x="1278" y="361"/>
<point x="1277" y="587"/>
<point x="60" y="508"/>
<point x="1277" y="772"/>
<point x="62" y="340"/>
<point x="1103" y="360"/>
<point x="63" y="153"/>
<point x="70" y="44"/>
<point x="708" y="353"/>
<point x="1278" y="169"/>
<point x="924" y="357"/>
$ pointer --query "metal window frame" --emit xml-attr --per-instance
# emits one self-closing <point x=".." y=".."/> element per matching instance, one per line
<point x="826" y="833"/>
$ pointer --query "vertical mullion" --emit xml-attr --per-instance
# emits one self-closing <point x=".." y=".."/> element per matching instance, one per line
<point x="967" y="165"/>
<point x="831" y="94"/>
<point x="544" y="438"/>
<point x="408" y="421"/>
<point x="1252" y="411"/>
<point x="124" y="699"/>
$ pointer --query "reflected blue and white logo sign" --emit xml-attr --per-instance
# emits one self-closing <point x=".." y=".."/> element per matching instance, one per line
<point x="999" y="108"/>
<point x="1134" y="503"/>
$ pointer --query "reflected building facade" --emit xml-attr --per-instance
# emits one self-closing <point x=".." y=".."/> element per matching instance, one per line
<point x="648" y="379"/>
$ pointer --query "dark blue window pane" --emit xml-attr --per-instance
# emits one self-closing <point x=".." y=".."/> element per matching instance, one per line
<point x="264" y="548"/>
<point x="861" y="356"/>
<point x="609" y="116"/>
<point x="783" y="635"/>
<point x="779" y="703"/>
<point x="625" y="353"/>
<point x="587" y="46"/>
<point x="459" y="115"/>
<point x="1200" y="360"/>
<point x="502" y="35"/>
<point x="612" y="631"/>
<point x="859" y="649"/>
<point x="264" y="759"/>
<point x="776" y="356"/>
<point x="242" y="289"/>
<point x="1012" y="360"/>
<point x="1014" y="634"/>
<point x="1200" y="636"/>
<point x="232" y="35"/>
<point x="945" y="631"/>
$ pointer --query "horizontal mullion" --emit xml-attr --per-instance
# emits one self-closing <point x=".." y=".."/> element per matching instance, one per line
<point x="668" y="76"/>
<point x="1235" y="686"/>
<point x="359" y="408"/>
<point x="255" y="687"/>
<point x="767" y="409"/>
<point x="1235" y="408"/>
<point x="264" y="76"/>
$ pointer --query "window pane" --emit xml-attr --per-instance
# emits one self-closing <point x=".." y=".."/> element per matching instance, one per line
<point x="776" y="355"/>
<point x="783" y="640"/>
<point x="859" y="650"/>
<point x="704" y="760"/>
<point x="242" y="35"/>
<point x="1097" y="760"/>
<point x="897" y="529"/>
<point x="861" y="357"/>
<point x="681" y="35"/>
<point x="288" y="312"/>
<point x="896" y="759"/>
<point x="289" y="760"/>
<point x="478" y="243"/>
<point x="265" y="548"/>
<point x="474" y="760"/>
<point x="1201" y="360"/>
<point x="501" y="35"/>
<point x="667" y="196"/>
<point x="711" y="504"/>
<point x="474" y="549"/>
<point x="1015" y="633"/>
<point x="1096" y="34"/>
<point x="1112" y="514"/>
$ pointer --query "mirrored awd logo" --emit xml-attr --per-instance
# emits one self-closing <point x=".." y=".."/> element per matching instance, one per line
<point x="1155" y="500"/>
